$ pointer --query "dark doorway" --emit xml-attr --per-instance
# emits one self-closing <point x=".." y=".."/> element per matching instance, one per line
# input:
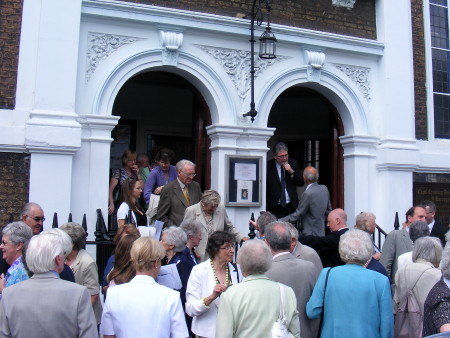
<point x="162" y="109"/>
<point x="310" y="126"/>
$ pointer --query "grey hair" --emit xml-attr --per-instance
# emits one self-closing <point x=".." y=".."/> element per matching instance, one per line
<point x="428" y="249"/>
<point x="176" y="236"/>
<point x="293" y="230"/>
<point x="210" y="197"/>
<point x="27" y="208"/>
<point x="355" y="246"/>
<point x="180" y="164"/>
<point x="445" y="262"/>
<point x="42" y="251"/>
<point x="279" y="147"/>
<point x="311" y="176"/>
<point x="418" y="229"/>
<point x="76" y="234"/>
<point x="264" y="219"/>
<point x="363" y="220"/>
<point x="278" y="236"/>
<point x="254" y="257"/>
<point x="18" y="232"/>
<point x="65" y="239"/>
<point x="429" y="204"/>
<point x="191" y="228"/>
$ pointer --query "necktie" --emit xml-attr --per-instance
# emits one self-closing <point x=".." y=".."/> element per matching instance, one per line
<point x="283" y="189"/>
<point x="186" y="195"/>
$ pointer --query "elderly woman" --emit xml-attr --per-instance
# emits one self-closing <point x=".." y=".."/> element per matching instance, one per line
<point x="15" y="236"/>
<point x="130" y="171"/>
<point x="250" y="308"/>
<point x="193" y="230"/>
<point x="213" y="217"/>
<point x="82" y="265"/>
<point x="208" y="281"/>
<point x="422" y="274"/>
<point x="162" y="174"/>
<point x="142" y="307"/>
<point x="417" y="230"/>
<point x="355" y="302"/>
<point x="436" y="312"/>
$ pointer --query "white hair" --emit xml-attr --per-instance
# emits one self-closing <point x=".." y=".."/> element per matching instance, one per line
<point x="43" y="249"/>
<point x="355" y="246"/>
<point x="177" y="237"/>
<point x="254" y="257"/>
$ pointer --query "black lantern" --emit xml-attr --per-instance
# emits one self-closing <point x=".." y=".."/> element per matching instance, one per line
<point x="267" y="48"/>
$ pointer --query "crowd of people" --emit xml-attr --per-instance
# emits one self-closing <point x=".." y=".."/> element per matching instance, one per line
<point x="306" y="274"/>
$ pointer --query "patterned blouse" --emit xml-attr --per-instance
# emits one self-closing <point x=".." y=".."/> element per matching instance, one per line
<point x="436" y="309"/>
<point x="16" y="273"/>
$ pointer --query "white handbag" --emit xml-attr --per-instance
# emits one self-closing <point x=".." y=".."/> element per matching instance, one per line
<point x="279" y="328"/>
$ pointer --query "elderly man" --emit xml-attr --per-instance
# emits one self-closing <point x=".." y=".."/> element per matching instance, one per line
<point x="250" y="308"/>
<point x="397" y="242"/>
<point x="33" y="215"/>
<point x="283" y="176"/>
<point x="263" y="220"/>
<point x="178" y="195"/>
<point x="436" y="227"/>
<point x="45" y="305"/>
<point x="328" y="246"/>
<point x="302" y="251"/>
<point x="313" y="207"/>
<point x="289" y="270"/>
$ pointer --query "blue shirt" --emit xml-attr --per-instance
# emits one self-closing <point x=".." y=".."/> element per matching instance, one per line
<point x="16" y="273"/>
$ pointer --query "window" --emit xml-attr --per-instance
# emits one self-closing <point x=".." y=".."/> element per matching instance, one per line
<point x="440" y="54"/>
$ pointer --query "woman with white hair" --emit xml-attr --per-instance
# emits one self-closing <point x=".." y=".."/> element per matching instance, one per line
<point x="142" y="307"/>
<point x="354" y="301"/>
<point x="422" y="274"/>
<point x="436" y="312"/>
<point x="250" y="309"/>
<point x="15" y="236"/>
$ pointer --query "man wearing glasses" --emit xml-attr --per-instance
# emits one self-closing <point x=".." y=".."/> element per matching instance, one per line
<point x="33" y="215"/>
<point x="283" y="176"/>
<point x="178" y="195"/>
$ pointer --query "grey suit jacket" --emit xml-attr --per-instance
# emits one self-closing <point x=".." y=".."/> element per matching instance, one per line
<point x="301" y="276"/>
<point x="220" y="222"/>
<point x="172" y="203"/>
<point x="308" y="254"/>
<point x="312" y="210"/>
<point x="397" y="242"/>
<point x="46" y="306"/>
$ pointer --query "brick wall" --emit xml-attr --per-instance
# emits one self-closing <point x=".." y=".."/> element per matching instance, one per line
<point x="312" y="14"/>
<point x="14" y="184"/>
<point x="10" y="21"/>
<point x="420" y="90"/>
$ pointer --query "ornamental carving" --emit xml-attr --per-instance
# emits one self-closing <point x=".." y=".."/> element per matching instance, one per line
<point x="237" y="65"/>
<point x="171" y="43"/>
<point x="100" y="46"/>
<point x="316" y="61"/>
<point x="359" y="75"/>
<point x="344" y="3"/>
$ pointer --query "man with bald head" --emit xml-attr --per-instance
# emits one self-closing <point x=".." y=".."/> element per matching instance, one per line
<point x="33" y="215"/>
<point x="313" y="207"/>
<point x="328" y="246"/>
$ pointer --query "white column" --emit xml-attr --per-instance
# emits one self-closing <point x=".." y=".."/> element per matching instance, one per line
<point x="237" y="140"/>
<point x="90" y="177"/>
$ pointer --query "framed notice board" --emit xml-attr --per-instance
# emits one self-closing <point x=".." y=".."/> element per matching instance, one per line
<point x="243" y="180"/>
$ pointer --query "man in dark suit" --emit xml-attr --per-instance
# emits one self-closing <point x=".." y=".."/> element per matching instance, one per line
<point x="436" y="227"/>
<point x="328" y="246"/>
<point x="283" y="176"/>
<point x="314" y="205"/>
<point x="178" y="195"/>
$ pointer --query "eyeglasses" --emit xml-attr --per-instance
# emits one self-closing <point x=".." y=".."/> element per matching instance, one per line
<point x="282" y="156"/>
<point x="4" y="242"/>
<point x="189" y="175"/>
<point x="37" y="218"/>
<point x="228" y="247"/>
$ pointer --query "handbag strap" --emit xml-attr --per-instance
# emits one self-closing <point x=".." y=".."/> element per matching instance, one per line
<point x="282" y="315"/>
<point x="323" y="303"/>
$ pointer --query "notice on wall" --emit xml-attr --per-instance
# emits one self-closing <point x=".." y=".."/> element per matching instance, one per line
<point x="439" y="193"/>
<point x="245" y="172"/>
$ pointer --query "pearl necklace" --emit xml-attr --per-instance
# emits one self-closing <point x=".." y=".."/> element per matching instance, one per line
<point x="227" y="274"/>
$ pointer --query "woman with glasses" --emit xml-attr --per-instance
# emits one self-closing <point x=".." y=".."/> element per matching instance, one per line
<point x="208" y="280"/>
<point x="213" y="216"/>
<point x="15" y="236"/>
<point x="130" y="210"/>
<point x="129" y="170"/>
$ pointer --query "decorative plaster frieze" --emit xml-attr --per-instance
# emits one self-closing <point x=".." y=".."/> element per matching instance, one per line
<point x="170" y="43"/>
<point x="100" y="46"/>
<point x="316" y="60"/>
<point x="344" y="3"/>
<point x="359" y="75"/>
<point x="236" y="63"/>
